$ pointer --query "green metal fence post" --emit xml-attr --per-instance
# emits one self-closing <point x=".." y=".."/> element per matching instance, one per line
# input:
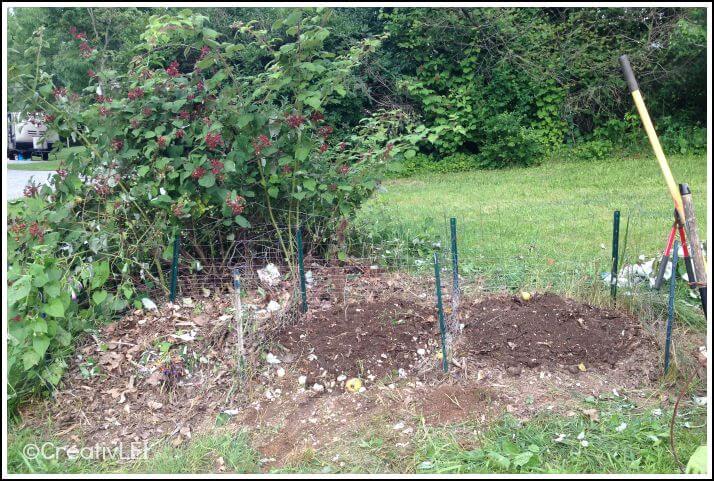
<point x="670" y="306"/>
<point x="615" y="253"/>
<point x="440" y="309"/>
<point x="455" y="258"/>
<point x="174" y="266"/>
<point x="301" y="271"/>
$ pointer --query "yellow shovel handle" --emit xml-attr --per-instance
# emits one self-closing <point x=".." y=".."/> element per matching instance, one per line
<point x="652" y="136"/>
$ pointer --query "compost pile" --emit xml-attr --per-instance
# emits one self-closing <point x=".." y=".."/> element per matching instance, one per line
<point x="548" y="330"/>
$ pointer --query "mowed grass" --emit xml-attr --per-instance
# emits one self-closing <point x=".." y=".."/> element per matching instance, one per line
<point x="35" y="165"/>
<point x="544" y="227"/>
<point x="625" y="438"/>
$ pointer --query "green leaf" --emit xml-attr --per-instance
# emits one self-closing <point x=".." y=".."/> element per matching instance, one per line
<point x="293" y="18"/>
<point x="208" y="180"/>
<point x="99" y="296"/>
<point x="54" y="308"/>
<point x="500" y="460"/>
<point x="19" y="290"/>
<point x="101" y="274"/>
<point x="244" y="120"/>
<point x="40" y="344"/>
<point x="30" y="359"/>
<point x="302" y="150"/>
<point x="242" y="221"/>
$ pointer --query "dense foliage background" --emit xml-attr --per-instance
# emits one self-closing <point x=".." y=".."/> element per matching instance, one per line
<point x="488" y="87"/>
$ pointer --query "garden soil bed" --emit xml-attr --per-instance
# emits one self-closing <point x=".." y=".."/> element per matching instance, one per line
<point x="547" y="330"/>
<point x="379" y="327"/>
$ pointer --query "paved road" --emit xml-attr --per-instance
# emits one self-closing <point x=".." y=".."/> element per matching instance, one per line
<point x="16" y="180"/>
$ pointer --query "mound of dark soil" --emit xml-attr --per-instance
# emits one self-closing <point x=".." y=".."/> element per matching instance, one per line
<point x="377" y="337"/>
<point x="547" y="330"/>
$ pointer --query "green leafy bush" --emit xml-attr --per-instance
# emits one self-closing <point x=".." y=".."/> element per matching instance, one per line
<point x="507" y="142"/>
<point x="181" y="141"/>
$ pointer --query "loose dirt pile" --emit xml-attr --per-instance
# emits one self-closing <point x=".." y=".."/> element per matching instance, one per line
<point x="547" y="330"/>
<point x="362" y="339"/>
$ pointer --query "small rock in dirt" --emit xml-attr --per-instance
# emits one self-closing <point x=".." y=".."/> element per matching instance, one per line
<point x="421" y="352"/>
<point x="302" y="380"/>
<point x="531" y="363"/>
<point x="514" y="370"/>
<point x="318" y="387"/>
<point x="341" y="378"/>
<point x="573" y="369"/>
<point x="280" y="372"/>
<point x="398" y="426"/>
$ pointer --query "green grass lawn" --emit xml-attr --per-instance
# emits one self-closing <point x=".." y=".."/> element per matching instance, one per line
<point x="542" y="227"/>
<point x="35" y="165"/>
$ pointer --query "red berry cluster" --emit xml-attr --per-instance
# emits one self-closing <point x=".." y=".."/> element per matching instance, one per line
<point x="216" y="166"/>
<point x="236" y="205"/>
<point x="325" y="131"/>
<point x="62" y="173"/>
<point x="198" y="172"/>
<point x="91" y="73"/>
<point x="260" y="143"/>
<point x="104" y="112"/>
<point x="117" y="144"/>
<point x="177" y="209"/>
<point x="205" y="50"/>
<point x="86" y="49"/>
<point x="287" y="169"/>
<point x="135" y="93"/>
<point x="59" y="92"/>
<point x="172" y="70"/>
<point x="17" y="228"/>
<point x="344" y="170"/>
<point x="191" y="96"/>
<point x="147" y="111"/>
<point x="134" y="123"/>
<point x="184" y="115"/>
<point x="342" y="146"/>
<point x="199" y="86"/>
<point x="317" y="117"/>
<point x="214" y="140"/>
<point x="102" y="99"/>
<point x="295" y="120"/>
<point x="180" y="133"/>
<point x="30" y="190"/>
<point x="36" y="231"/>
<point x="49" y="118"/>
<point x="161" y="141"/>
<point x="323" y="148"/>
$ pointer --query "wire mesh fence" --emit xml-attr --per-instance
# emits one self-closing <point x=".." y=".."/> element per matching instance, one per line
<point x="480" y="254"/>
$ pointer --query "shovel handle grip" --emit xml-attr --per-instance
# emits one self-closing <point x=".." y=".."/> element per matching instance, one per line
<point x="628" y="73"/>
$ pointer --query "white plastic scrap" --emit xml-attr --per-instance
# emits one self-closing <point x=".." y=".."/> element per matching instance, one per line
<point x="149" y="304"/>
<point x="269" y="275"/>
<point x="271" y="359"/>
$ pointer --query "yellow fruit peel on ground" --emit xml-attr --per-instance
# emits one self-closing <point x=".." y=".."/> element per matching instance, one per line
<point x="353" y="385"/>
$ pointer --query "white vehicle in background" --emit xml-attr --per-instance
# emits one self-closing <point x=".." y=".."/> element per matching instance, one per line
<point x="28" y="137"/>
